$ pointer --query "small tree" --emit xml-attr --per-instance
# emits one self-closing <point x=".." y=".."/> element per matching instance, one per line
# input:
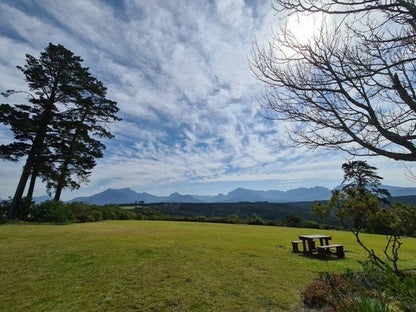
<point x="358" y="209"/>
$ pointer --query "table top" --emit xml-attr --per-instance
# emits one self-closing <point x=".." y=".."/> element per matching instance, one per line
<point x="314" y="236"/>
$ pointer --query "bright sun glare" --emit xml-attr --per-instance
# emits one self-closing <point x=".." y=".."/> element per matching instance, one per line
<point x="304" y="27"/>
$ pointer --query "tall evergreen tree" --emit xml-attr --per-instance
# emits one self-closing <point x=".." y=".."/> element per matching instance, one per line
<point x="359" y="174"/>
<point x="55" y="131"/>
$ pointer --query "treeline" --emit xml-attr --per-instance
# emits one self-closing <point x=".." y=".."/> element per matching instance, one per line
<point x="59" y="212"/>
<point x="267" y="210"/>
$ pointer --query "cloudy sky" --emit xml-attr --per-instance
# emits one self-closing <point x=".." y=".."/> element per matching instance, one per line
<point x="179" y="71"/>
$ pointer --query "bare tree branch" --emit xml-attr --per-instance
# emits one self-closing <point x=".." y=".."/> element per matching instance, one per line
<point x="353" y="86"/>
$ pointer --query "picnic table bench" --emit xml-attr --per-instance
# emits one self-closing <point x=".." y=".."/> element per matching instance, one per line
<point x="295" y="247"/>
<point x="325" y="250"/>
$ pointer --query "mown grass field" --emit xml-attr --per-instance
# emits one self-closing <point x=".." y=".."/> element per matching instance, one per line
<point x="163" y="266"/>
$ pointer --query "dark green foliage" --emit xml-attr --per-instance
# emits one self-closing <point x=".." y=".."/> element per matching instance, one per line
<point x="311" y="224"/>
<point x="255" y="219"/>
<point x="201" y="219"/>
<point x="127" y="215"/>
<point x="359" y="174"/>
<point x="399" y="289"/>
<point x="244" y="210"/>
<point x="405" y="219"/>
<point x="364" y="304"/>
<point x="234" y="218"/>
<point x="83" y="212"/>
<point x="59" y="212"/>
<point x="51" y="211"/>
<point x="293" y="220"/>
<point x="149" y="212"/>
<point x="60" y="129"/>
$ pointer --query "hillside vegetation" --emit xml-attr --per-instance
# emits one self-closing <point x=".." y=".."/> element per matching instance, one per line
<point x="163" y="266"/>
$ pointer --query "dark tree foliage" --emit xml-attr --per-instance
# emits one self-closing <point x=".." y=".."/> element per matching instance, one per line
<point x="353" y="86"/>
<point x="359" y="174"/>
<point x="59" y="131"/>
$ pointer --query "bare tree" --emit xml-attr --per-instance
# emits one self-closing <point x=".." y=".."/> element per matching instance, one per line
<point x="352" y="87"/>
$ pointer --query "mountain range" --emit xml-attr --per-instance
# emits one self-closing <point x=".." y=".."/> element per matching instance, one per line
<point x="127" y="195"/>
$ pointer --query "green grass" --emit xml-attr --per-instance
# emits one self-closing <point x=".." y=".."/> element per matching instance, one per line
<point x="162" y="266"/>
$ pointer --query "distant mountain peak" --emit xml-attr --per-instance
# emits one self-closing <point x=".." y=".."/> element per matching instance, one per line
<point x="240" y="194"/>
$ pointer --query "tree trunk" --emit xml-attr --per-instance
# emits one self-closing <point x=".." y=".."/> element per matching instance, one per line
<point x="68" y="155"/>
<point x="30" y="165"/>
<point x="14" y="207"/>
<point x="32" y="183"/>
<point x="61" y="181"/>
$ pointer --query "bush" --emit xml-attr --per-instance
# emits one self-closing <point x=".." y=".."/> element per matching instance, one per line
<point x="255" y="219"/>
<point x="50" y="211"/>
<point x="293" y="220"/>
<point x="376" y="288"/>
<point x="317" y="294"/>
<point x="234" y="218"/>
<point x="365" y="304"/>
<point x="109" y="214"/>
<point x="333" y="292"/>
<point x="311" y="224"/>
<point x="200" y="219"/>
<point x="127" y="215"/>
<point x="399" y="289"/>
<point x="216" y="220"/>
<point x="85" y="216"/>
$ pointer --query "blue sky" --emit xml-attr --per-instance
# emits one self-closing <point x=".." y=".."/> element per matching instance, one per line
<point x="179" y="71"/>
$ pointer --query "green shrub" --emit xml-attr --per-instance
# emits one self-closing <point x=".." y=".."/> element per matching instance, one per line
<point x="200" y="219"/>
<point x="234" y="218"/>
<point x="293" y="220"/>
<point x="400" y="289"/>
<point x="127" y="215"/>
<point x="255" y="219"/>
<point x="109" y="214"/>
<point x="97" y="215"/>
<point x="85" y="216"/>
<point x="311" y="224"/>
<point x="216" y="220"/>
<point x="50" y="211"/>
<point x="365" y="304"/>
<point x="377" y="288"/>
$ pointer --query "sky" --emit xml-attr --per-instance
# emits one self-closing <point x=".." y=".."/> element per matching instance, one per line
<point x="190" y="106"/>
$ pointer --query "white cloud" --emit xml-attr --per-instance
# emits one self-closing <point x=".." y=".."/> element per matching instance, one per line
<point x="179" y="72"/>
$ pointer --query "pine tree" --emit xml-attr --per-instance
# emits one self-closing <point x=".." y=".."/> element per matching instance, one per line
<point x="55" y="131"/>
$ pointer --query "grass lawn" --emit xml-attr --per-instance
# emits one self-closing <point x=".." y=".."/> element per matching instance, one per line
<point x="163" y="266"/>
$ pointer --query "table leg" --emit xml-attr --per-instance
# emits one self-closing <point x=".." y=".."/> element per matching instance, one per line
<point x="311" y="246"/>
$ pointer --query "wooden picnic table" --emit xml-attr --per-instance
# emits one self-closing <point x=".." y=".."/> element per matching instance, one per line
<point x="308" y="242"/>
